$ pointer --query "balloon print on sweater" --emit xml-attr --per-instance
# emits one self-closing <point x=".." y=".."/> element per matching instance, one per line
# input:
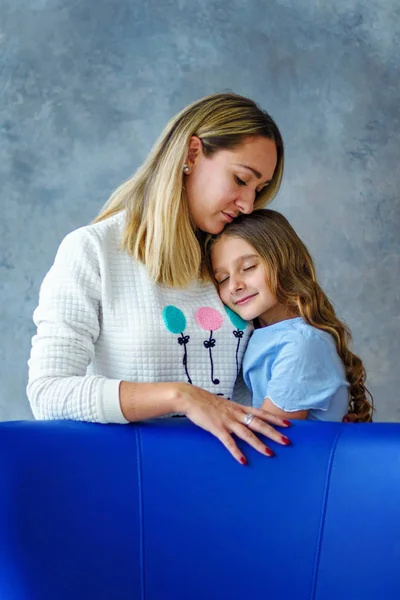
<point x="175" y="322"/>
<point x="210" y="320"/>
<point x="240" y="325"/>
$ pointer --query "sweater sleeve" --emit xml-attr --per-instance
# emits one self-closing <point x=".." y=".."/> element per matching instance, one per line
<point x="67" y="320"/>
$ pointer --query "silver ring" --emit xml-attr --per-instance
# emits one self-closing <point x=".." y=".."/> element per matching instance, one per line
<point x="248" y="419"/>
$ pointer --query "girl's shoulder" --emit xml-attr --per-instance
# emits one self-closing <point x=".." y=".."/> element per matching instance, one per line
<point x="295" y="333"/>
<point x="311" y="336"/>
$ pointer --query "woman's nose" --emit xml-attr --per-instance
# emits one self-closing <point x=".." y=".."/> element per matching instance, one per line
<point x="245" y="202"/>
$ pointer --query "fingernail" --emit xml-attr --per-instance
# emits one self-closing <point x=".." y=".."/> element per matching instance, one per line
<point x="269" y="452"/>
<point x="286" y="440"/>
<point x="286" y="422"/>
<point x="243" y="460"/>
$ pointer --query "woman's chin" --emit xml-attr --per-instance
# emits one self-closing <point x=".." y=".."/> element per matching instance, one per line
<point x="217" y="227"/>
<point x="213" y="228"/>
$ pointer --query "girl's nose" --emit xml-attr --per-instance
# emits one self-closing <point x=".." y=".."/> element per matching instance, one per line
<point x="235" y="285"/>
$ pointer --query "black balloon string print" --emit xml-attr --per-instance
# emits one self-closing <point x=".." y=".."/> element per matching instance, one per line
<point x="175" y="322"/>
<point x="210" y="320"/>
<point x="240" y="325"/>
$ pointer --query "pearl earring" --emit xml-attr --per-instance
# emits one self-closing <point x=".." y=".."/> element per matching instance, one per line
<point x="186" y="169"/>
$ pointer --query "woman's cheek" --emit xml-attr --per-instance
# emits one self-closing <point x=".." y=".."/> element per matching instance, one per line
<point x="227" y="191"/>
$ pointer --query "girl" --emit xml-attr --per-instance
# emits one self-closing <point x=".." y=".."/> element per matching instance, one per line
<point x="298" y="361"/>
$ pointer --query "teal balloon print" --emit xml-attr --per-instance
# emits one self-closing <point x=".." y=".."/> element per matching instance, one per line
<point x="175" y="322"/>
<point x="235" y="319"/>
<point x="174" y="319"/>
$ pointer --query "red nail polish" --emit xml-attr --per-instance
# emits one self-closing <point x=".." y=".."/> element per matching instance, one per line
<point x="286" y="422"/>
<point x="269" y="452"/>
<point x="286" y="440"/>
<point x="243" y="461"/>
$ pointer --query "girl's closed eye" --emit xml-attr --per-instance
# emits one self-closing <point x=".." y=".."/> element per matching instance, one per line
<point x="222" y="281"/>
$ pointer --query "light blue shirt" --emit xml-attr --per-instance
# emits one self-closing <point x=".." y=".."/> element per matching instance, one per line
<point x="297" y="366"/>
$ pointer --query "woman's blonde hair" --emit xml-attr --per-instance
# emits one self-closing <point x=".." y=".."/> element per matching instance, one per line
<point x="159" y="231"/>
<point x="291" y="276"/>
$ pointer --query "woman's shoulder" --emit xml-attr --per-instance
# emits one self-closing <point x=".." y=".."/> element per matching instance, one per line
<point x="109" y="228"/>
<point x="98" y="238"/>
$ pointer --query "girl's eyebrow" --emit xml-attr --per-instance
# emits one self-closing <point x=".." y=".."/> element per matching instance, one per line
<point x="238" y="260"/>
<point x="254" y="171"/>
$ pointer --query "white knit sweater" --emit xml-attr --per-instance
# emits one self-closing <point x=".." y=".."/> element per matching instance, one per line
<point x="101" y="320"/>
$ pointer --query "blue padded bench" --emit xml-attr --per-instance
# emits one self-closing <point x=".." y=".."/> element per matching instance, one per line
<point x="161" y="511"/>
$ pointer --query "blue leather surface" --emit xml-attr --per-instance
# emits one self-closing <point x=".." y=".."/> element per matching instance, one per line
<point x="362" y="523"/>
<point x="160" y="510"/>
<point x="69" y="520"/>
<point x="235" y="526"/>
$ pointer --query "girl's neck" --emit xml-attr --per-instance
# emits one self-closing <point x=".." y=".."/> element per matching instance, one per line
<point x="276" y="314"/>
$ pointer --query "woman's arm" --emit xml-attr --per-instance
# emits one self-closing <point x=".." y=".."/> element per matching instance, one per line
<point x="67" y="320"/>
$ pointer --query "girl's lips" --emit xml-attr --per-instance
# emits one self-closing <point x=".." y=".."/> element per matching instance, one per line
<point x="244" y="300"/>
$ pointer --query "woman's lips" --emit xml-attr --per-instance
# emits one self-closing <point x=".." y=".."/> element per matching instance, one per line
<point x="244" y="300"/>
<point x="228" y="217"/>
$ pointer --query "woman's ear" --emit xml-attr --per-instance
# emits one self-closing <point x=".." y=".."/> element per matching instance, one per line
<point x="194" y="151"/>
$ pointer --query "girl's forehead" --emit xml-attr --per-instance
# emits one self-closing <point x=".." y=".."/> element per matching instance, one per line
<point x="231" y="248"/>
<point x="233" y="242"/>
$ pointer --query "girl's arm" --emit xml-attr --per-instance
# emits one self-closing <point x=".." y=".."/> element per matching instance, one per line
<point x="305" y="375"/>
<point x="271" y="408"/>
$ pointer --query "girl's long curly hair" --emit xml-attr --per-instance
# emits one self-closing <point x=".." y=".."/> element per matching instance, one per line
<point x="292" y="279"/>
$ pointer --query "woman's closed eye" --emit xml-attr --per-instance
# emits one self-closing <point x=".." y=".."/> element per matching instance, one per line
<point x="239" y="181"/>
<point x="257" y="192"/>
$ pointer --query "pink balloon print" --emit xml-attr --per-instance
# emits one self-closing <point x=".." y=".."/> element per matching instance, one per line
<point x="210" y="320"/>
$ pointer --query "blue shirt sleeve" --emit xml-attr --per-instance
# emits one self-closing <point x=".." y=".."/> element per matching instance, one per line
<point x="306" y="374"/>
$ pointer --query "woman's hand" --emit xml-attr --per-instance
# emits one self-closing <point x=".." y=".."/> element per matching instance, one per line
<point x="223" y="418"/>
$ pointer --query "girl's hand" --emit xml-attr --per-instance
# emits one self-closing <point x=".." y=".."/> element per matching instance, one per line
<point x="223" y="418"/>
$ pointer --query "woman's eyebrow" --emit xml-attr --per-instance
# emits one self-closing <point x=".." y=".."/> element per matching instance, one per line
<point x="254" y="171"/>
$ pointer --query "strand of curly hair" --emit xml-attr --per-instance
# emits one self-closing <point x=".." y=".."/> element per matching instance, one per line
<point x="316" y="309"/>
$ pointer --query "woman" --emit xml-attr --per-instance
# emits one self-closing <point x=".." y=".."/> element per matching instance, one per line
<point x="127" y="327"/>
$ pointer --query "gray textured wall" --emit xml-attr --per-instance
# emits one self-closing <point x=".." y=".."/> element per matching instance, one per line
<point x="87" y="86"/>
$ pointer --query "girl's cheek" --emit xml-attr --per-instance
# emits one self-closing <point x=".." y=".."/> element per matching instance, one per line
<point x="224" y="297"/>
